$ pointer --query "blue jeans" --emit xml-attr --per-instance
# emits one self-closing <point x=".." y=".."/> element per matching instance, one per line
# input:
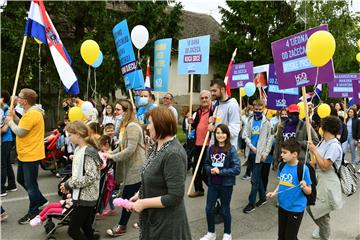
<point x="350" y="141"/>
<point x="224" y="193"/>
<point x="250" y="163"/>
<point x="256" y="184"/>
<point x="6" y="168"/>
<point x="27" y="175"/>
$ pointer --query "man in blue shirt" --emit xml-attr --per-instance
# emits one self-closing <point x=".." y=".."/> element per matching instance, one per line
<point x="7" y="143"/>
<point x="144" y="106"/>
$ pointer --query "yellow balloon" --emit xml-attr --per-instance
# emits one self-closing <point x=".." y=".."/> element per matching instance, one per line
<point x="302" y="110"/>
<point x="359" y="43"/>
<point x="242" y="92"/>
<point x="75" y="114"/>
<point x="89" y="51"/>
<point x="38" y="41"/>
<point x="358" y="57"/>
<point x="320" y="48"/>
<point x="324" y="110"/>
<point x="321" y="132"/>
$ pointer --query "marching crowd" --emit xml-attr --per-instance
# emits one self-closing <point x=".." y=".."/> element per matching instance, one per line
<point x="149" y="165"/>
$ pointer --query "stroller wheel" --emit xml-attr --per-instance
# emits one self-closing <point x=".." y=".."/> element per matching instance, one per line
<point x="49" y="226"/>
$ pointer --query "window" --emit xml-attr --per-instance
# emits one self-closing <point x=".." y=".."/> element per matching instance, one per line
<point x="196" y="84"/>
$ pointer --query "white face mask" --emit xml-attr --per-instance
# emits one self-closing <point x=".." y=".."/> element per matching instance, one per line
<point x="143" y="101"/>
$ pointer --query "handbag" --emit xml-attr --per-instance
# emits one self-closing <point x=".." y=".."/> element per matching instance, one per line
<point x="348" y="178"/>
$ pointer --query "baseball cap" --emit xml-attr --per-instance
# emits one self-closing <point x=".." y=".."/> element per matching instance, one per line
<point x="293" y="108"/>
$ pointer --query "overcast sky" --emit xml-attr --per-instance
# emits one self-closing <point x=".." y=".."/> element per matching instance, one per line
<point x="211" y="6"/>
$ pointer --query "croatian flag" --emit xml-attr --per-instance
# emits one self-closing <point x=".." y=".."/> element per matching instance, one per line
<point x="227" y="79"/>
<point x="147" y="77"/>
<point x="40" y="26"/>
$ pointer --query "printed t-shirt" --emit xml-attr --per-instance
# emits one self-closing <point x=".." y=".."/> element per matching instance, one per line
<point x="217" y="160"/>
<point x="289" y="131"/>
<point x="255" y="132"/>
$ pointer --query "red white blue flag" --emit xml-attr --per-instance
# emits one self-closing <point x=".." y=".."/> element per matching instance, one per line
<point x="147" y="77"/>
<point x="40" y="26"/>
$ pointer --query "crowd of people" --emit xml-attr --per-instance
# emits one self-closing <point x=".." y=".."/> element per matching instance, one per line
<point x="149" y="164"/>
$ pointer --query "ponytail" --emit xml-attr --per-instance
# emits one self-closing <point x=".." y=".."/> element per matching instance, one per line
<point x="91" y="140"/>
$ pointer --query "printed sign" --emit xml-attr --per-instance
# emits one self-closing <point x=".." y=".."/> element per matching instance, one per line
<point x="133" y="77"/>
<point x="342" y="86"/>
<point x="293" y="68"/>
<point x="241" y="74"/>
<point x="162" y="64"/>
<point x="277" y="98"/>
<point x="356" y="88"/>
<point x="194" y="55"/>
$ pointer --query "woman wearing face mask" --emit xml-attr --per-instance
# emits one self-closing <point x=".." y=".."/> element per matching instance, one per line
<point x="293" y="127"/>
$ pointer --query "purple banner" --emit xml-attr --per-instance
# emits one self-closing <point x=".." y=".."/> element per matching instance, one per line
<point x="292" y="65"/>
<point x="342" y="86"/>
<point x="356" y="88"/>
<point x="241" y="74"/>
<point x="276" y="98"/>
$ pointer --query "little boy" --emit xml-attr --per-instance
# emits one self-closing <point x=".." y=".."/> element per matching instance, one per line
<point x="109" y="130"/>
<point x="291" y="192"/>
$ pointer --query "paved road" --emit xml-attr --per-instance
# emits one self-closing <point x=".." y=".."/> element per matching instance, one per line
<point x="260" y="224"/>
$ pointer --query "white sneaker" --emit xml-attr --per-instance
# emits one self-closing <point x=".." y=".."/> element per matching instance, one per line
<point x="227" y="236"/>
<point x="36" y="221"/>
<point x="316" y="234"/>
<point x="209" y="236"/>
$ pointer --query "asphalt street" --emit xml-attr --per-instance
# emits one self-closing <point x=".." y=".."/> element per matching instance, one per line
<point x="260" y="224"/>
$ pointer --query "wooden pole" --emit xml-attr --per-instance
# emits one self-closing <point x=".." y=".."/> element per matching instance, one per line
<point x="18" y="72"/>
<point x="200" y="156"/>
<point x="39" y="63"/>
<point x="191" y="93"/>
<point x="157" y="98"/>
<point x="132" y="100"/>
<point x="345" y="112"/>
<point x="307" y="119"/>
<point x="240" y="101"/>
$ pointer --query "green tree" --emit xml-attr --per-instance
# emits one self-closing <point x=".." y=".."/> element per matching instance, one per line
<point x="75" y="23"/>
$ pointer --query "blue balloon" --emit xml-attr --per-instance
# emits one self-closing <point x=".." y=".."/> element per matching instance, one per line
<point x="98" y="61"/>
<point x="250" y="89"/>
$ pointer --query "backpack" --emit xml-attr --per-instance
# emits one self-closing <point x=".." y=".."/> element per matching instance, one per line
<point x="347" y="176"/>
<point x="311" y="199"/>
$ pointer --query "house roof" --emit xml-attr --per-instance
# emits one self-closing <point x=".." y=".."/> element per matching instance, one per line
<point x="198" y="24"/>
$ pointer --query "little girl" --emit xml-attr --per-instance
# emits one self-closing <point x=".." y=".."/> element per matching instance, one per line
<point x="84" y="181"/>
<point x="222" y="165"/>
<point x="56" y="207"/>
<point x="110" y="184"/>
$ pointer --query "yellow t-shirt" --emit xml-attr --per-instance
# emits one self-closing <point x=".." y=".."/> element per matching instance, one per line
<point x="31" y="148"/>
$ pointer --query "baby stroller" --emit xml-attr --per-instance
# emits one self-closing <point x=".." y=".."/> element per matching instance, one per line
<point x="52" y="154"/>
<point x="64" y="219"/>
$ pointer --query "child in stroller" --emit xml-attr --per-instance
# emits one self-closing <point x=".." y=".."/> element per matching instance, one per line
<point x="52" y="208"/>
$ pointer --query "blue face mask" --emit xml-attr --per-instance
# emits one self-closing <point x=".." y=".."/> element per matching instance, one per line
<point x="258" y="114"/>
<point x="283" y="119"/>
<point x="143" y="101"/>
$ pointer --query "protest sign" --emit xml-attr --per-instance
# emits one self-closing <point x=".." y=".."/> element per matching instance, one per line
<point x="342" y="86"/>
<point x="241" y="74"/>
<point x="162" y="54"/>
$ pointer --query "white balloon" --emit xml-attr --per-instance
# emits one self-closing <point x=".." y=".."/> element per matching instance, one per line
<point x="139" y="36"/>
<point x="86" y="106"/>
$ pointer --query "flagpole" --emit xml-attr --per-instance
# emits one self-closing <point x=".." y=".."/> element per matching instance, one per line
<point x="18" y="71"/>
<point x="39" y="54"/>
<point x="240" y="101"/>
<point x="191" y="93"/>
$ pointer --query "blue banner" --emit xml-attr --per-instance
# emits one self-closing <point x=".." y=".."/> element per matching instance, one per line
<point x="194" y="55"/>
<point x="133" y="77"/>
<point x="162" y="55"/>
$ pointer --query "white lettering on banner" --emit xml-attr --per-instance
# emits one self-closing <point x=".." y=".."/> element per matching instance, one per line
<point x="281" y="102"/>
<point x="288" y="135"/>
<point x="218" y="159"/>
